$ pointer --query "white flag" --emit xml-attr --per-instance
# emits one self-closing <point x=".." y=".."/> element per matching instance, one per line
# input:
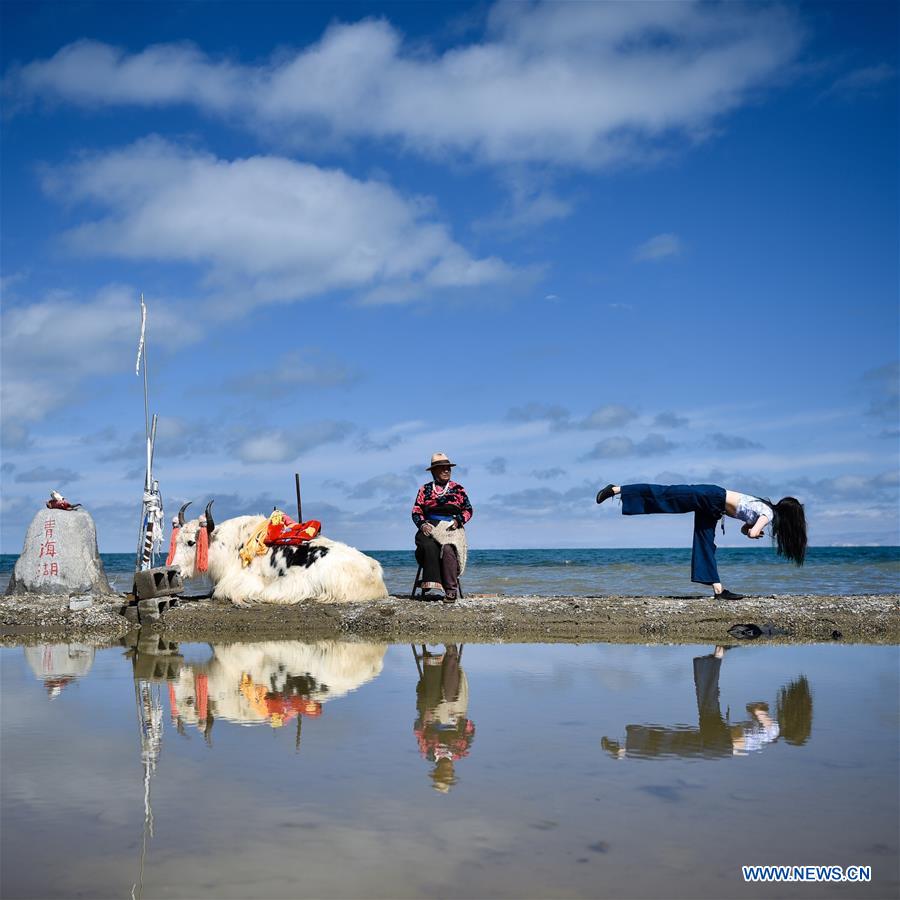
<point x="137" y="365"/>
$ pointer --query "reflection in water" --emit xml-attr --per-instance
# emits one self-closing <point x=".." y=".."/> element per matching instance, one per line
<point x="270" y="682"/>
<point x="247" y="683"/>
<point x="153" y="661"/>
<point x="532" y="812"/>
<point x="58" y="665"/>
<point x="442" y="729"/>
<point x="716" y="736"/>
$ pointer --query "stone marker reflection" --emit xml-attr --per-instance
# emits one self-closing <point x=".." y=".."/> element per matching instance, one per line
<point x="442" y="728"/>
<point x="716" y="736"/>
<point x="58" y="665"/>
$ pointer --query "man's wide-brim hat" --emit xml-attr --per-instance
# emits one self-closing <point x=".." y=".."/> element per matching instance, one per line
<point x="439" y="459"/>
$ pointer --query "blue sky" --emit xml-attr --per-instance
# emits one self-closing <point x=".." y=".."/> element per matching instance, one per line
<point x="566" y="244"/>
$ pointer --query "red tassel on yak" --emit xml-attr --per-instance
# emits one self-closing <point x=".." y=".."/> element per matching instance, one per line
<point x="202" y="546"/>
<point x="171" y="555"/>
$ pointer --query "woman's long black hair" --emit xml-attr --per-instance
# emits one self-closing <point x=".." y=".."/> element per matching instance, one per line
<point x="794" y="711"/>
<point x="789" y="529"/>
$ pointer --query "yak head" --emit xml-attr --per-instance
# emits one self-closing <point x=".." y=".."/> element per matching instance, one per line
<point x="190" y="542"/>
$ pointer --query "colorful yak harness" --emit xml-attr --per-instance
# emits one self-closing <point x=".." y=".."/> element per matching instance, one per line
<point x="279" y="530"/>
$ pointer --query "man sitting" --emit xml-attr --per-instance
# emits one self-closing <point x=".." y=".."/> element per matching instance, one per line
<point x="442" y="508"/>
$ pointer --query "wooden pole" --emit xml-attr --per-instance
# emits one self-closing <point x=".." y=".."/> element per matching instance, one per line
<point x="297" y="486"/>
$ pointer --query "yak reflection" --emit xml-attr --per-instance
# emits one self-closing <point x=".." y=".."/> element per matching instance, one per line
<point x="442" y="728"/>
<point x="264" y="682"/>
<point x="270" y="682"/>
<point x="716" y="736"/>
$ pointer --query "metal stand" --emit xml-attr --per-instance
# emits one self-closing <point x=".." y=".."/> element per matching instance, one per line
<point x="417" y="586"/>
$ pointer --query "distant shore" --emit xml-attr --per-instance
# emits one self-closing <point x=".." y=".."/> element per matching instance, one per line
<point x="478" y="618"/>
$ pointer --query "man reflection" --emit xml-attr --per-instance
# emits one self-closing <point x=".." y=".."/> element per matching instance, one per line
<point x="443" y="731"/>
<point x="716" y="737"/>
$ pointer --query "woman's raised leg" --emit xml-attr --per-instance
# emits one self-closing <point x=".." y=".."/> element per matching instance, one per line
<point x="649" y="499"/>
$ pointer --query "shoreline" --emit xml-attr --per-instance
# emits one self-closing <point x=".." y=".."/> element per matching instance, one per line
<point x="869" y="619"/>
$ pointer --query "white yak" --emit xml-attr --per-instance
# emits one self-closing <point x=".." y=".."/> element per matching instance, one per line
<point x="321" y="569"/>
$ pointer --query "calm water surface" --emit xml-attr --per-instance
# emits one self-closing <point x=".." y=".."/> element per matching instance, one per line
<point x="284" y="769"/>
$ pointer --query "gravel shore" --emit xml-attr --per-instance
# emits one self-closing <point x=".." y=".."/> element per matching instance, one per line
<point x="674" y="619"/>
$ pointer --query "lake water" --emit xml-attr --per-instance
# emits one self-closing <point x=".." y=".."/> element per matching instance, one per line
<point x="658" y="571"/>
<point x="284" y="769"/>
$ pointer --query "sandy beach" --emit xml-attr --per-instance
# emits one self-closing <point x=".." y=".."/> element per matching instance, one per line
<point x="670" y="619"/>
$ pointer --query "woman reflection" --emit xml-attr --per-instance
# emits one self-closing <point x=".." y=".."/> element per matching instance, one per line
<point x="443" y="731"/>
<point x="715" y="736"/>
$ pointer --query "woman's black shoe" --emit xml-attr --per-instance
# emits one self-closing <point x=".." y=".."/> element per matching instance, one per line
<point x="606" y="493"/>
<point x="729" y="595"/>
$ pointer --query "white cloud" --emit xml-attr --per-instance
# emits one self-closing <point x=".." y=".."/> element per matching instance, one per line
<point x="728" y="442"/>
<point x="573" y="84"/>
<point x="304" y="368"/>
<point x="883" y="385"/>
<point x="548" y="474"/>
<point x="658" y="247"/>
<point x="49" y="476"/>
<point x="283" y="445"/>
<point x="861" y="81"/>
<point x="265" y="228"/>
<point x="670" y="420"/>
<point x="622" y="447"/>
<point x="175" y="437"/>
<point x="531" y="202"/>
<point x="538" y="412"/>
<point x="611" y="415"/>
<point x="51" y="346"/>
<point x="389" y="484"/>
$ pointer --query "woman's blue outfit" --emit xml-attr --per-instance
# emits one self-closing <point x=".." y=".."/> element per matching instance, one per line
<point x="705" y="501"/>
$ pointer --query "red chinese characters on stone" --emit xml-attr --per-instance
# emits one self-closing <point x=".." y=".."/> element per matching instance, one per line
<point x="48" y="549"/>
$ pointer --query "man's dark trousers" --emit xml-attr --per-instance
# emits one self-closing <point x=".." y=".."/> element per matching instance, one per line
<point x="705" y="501"/>
<point x="437" y="566"/>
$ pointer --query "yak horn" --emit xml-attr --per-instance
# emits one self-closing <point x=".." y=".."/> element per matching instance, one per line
<point x="181" y="514"/>
<point x="210" y="525"/>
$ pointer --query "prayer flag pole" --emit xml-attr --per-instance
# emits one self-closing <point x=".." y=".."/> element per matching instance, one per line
<point x="151" y="531"/>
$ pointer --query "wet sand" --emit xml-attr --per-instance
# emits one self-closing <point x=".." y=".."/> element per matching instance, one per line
<point x="674" y="619"/>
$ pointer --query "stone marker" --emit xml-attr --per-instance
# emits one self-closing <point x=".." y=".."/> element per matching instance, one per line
<point x="60" y="556"/>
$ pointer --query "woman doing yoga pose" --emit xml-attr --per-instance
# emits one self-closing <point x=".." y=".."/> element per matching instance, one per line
<point x="708" y="503"/>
